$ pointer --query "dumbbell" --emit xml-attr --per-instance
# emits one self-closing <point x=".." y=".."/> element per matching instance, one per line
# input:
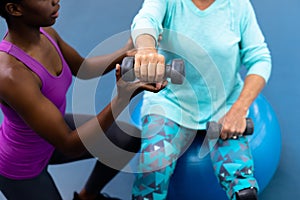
<point x="213" y="129"/>
<point x="175" y="71"/>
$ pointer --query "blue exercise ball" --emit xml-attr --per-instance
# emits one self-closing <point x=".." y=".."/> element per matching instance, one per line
<point x="194" y="178"/>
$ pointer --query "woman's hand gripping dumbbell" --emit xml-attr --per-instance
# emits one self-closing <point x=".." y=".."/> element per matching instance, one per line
<point x="175" y="71"/>
<point x="213" y="129"/>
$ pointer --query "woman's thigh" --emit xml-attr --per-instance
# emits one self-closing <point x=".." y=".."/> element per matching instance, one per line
<point x="163" y="141"/>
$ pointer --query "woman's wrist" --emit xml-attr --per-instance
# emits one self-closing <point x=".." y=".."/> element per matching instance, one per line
<point x="145" y="42"/>
<point x="146" y="50"/>
<point x="241" y="108"/>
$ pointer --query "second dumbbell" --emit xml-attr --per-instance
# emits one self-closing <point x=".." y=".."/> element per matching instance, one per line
<point x="175" y="71"/>
<point x="213" y="129"/>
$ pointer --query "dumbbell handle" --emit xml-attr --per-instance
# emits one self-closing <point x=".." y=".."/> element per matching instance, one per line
<point x="214" y="129"/>
<point x="176" y="74"/>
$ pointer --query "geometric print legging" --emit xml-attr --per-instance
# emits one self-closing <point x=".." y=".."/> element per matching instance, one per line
<point x="163" y="141"/>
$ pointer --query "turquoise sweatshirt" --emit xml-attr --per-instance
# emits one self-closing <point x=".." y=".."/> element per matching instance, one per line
<point x="214" y="44"/>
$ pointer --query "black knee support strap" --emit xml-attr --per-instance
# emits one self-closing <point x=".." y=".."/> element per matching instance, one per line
<point x="247" y="194"/>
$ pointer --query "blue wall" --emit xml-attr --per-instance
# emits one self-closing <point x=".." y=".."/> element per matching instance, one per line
<point x="281" y="26"/>
<point x="85" y="24"/>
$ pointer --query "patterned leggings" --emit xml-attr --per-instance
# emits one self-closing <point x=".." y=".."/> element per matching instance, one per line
<point x="162" y="144"/>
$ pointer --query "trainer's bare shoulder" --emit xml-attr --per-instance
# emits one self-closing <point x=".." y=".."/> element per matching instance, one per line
<point x="13" y="76"/>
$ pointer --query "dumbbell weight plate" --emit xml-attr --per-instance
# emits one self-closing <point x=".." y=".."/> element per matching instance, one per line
<point x="127" y="70"/>
<point x="177" y="71"/>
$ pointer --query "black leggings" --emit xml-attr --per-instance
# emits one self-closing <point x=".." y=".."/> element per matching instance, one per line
<point x="43" y="187"/>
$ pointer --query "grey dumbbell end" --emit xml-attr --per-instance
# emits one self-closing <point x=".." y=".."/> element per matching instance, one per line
<point x="127" y="69"/>
<point x="213" y="129"/>
<point x="249" y="127"/>
<point x="175" y="71"/>
<point x="178" y="71"/>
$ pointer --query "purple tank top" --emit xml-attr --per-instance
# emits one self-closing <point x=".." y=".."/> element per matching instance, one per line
<point x="23" y="153"/>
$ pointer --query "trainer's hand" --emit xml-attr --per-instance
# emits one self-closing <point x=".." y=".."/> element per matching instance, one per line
<point x="128" y="90"/>
<point x="131" y="50"/>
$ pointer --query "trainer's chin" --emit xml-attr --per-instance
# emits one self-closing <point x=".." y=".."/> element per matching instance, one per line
<point x="54" y="17"/>
<point x="51" y="22"/>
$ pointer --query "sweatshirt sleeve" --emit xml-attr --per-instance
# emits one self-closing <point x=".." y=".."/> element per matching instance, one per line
<point x="254" y="51"/>
<point x="149" y="19"/>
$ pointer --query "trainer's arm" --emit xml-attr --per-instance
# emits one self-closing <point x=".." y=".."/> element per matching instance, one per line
<point x="87" y="68"/>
